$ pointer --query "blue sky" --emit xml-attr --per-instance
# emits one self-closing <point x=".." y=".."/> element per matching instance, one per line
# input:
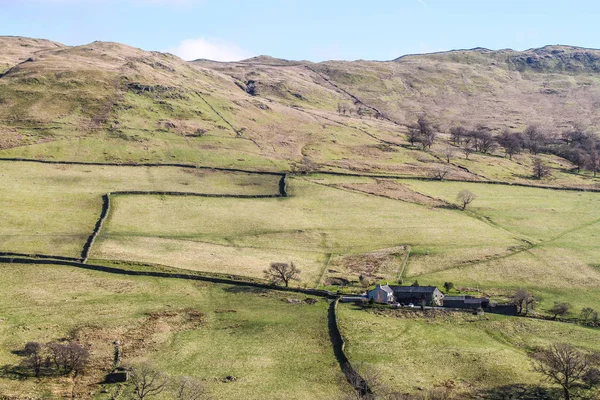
<point x="309" y="29"/>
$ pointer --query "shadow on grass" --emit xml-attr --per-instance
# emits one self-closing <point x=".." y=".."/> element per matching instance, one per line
<point x="519" y="392"/>
<point x="245" y="289"/>
<point x="15" y="372"/>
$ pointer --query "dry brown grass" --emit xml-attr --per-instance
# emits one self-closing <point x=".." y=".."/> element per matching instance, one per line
<point x="394" y="190"/>
<point x="384" y="264"/>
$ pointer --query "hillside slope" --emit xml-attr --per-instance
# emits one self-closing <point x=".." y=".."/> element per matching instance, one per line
<point x="14" y="50"/>
<point x="113" y="103"/>
<point x="555" y="86"/>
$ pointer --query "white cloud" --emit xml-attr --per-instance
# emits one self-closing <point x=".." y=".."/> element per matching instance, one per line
<point x="209" y="48"/>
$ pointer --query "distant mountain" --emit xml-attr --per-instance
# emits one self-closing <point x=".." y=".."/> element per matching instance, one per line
<point x="562" y="59"/>
<point x="108" y="101"/>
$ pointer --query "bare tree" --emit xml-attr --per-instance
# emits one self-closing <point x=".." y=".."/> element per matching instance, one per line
<point x="34" y="357"/>
<point x="484" y="141"/>
<point x="457" y="134"/>
<point x="414" y="136"/>
<point x="512" y="142"/>
<point x="424" y="125"/>
<point x="78" y="357"/>
<point x="579" y="158"/>
<point x="564" y="365"/>
<point x="560" y="309"/>
<point x="540" y="170"/>
<point x="449" y="153"/>
<point x="69" y="357"/>
<point x="282" y="273"/>
<point x="593" y="161"/>
<point x="189" y="389"/>
<point x="423" y="133"/>
<point x="534" y="139"/>
<point x="587" y="313"/>
<point x="468" y="150"/>
<point x="465" y="197"/>
<point x="147" y="381"/>
<point x="427" y="133"/>
<point x="439" y="173"/>
<point x="523" y="300"/>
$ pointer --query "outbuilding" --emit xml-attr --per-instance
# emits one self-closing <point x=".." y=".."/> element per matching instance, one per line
<point x="466" y="302"/>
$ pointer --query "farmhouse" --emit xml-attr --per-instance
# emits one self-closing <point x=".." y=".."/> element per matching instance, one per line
<point x="421" y="295"/>
<point x="381" y="294"/>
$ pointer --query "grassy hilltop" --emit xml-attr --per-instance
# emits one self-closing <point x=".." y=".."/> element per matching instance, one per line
<point x="362" y="207"/>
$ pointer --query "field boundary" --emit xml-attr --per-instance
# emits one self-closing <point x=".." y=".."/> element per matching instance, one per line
<point x="284" y="175"/>
<point x="87" y="247"/>
<point x="421" y="178"/>
<point x="352" y="376"/>
<point x="41" y="256"/>
<point x="135" y="164"/>
<point x="158" y="274"/>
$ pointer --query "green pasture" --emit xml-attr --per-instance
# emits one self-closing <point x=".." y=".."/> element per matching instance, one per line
<point x="52" y="209"/>
<point x="305" y="228"/>
<point x="273" y="347"/>
<point x="464" y="352"/>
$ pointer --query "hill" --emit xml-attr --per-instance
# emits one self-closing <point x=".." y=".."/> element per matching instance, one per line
<point x="113" y="102"/>
<point x="144" y="197"/>
<point x="18" y="49"/>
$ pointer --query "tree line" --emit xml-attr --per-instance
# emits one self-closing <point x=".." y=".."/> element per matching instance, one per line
<point x="526" y="302"/>
<point x="576" y="145"/>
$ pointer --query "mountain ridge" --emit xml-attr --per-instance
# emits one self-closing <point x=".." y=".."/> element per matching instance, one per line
<point x="107" y="101"/>
<point x="266" y="59"/>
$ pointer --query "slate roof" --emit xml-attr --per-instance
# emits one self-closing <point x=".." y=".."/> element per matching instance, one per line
<point x="385" y="288"/>
<point x="475" y="301"/>
<point x="414" y="289"/>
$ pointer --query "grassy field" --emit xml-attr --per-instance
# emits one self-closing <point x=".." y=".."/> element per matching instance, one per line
<point x="274" y="348"/>
<point x="52" y="209"/>
<point x="241" y="235"/>
<point x="460" y="351"/>
<point x="334" y="228"/>
<point x="562" y="263"/>
<point x="110" y="102"/>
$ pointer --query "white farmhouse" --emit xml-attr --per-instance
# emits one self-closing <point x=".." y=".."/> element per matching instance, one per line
<point x="381" y="294"/>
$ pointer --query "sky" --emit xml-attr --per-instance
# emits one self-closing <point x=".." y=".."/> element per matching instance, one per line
<point x="315" y="30"/>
